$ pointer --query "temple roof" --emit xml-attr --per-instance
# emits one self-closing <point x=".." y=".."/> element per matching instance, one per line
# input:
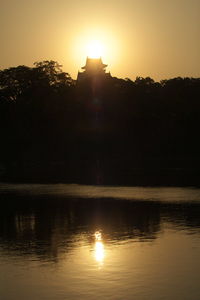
<point x="94" y="63"/>
<point x="94" y="68"/>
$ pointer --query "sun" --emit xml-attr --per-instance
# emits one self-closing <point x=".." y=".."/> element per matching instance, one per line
<point x="94" y="43"/>
<point x="95" y="49"/>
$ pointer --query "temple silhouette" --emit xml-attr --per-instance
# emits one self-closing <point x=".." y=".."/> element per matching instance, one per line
<point x="93" y="69"/>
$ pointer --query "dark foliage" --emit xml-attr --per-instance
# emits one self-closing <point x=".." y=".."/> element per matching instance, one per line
<point x="108" y="125"/>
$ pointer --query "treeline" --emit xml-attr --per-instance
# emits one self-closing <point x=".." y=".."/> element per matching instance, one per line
<point x="46" y="116"/>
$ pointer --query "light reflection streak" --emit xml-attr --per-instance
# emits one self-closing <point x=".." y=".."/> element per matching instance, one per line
<point x="99" y="252"/>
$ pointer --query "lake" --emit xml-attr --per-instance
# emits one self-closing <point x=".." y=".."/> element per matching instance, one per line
<point x="69" y="241"/>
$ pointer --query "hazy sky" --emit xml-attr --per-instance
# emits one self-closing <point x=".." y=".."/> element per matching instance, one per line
<point x="155" y="38"/>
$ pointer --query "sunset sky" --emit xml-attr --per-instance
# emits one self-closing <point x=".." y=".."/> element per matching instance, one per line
<point x="155" y="38"/>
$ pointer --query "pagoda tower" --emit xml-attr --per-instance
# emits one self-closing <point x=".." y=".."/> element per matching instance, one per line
<point x="93" y="68"/>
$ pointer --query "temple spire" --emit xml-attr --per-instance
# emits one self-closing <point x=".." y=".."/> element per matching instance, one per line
<point x="93" y="67"/>
<point x="94" y="64"/>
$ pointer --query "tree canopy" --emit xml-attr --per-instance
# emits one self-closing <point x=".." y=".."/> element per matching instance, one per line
<point x="46" y="115"/>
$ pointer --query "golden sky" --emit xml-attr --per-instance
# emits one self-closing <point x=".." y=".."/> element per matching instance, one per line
<point x="155" y="38"/>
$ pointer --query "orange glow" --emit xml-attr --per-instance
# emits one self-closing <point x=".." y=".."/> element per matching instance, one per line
<point x="150" y="38"/>
<point x="94" y="43"/>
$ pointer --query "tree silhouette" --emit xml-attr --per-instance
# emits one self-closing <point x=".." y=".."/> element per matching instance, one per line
<point x="46" y="116"/>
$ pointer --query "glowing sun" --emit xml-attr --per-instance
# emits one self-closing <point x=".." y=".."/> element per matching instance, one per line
<point x="95" y="49"/>
<point x="94" y="43"/>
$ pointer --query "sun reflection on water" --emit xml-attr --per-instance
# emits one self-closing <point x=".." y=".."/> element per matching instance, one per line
<point x="99" y="251"/>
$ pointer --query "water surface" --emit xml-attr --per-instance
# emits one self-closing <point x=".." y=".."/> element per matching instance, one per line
<point x="91" y="242"/>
